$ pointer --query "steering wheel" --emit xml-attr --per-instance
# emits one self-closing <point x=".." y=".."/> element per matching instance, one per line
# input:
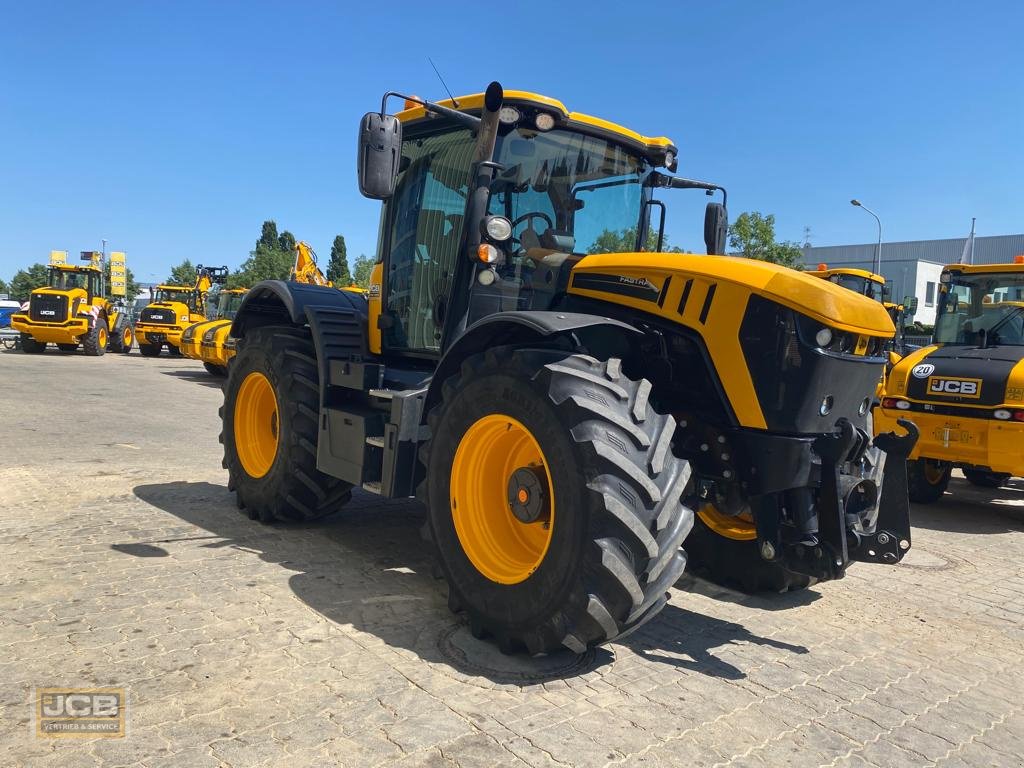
<point x="529" y="217"/>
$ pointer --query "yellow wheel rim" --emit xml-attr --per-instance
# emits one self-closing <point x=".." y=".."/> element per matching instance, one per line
<point x="126" y="337"/>
<point x="739" y="528"/>
<point x="494" y="452"/>
<point x="256" y="424"/>
<point x="102" y="338"/>
<point x="933" y="472"/>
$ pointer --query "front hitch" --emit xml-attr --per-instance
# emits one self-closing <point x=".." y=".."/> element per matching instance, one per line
<point x="890" y="540"/>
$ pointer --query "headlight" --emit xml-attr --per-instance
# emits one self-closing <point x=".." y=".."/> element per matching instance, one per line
<point x="184" y="318"/>
<point x="823" y="337"/>
<point x="1002" y="414"/>
<point x="498" y="228"/>
<point x="487" y="253"/>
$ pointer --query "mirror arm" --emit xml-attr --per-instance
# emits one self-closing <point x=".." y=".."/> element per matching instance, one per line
<point x="460" y="117"/>
<point x="677" y="182"/>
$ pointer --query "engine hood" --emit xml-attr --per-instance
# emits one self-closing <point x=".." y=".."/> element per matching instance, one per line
<point x="957" y="375"/>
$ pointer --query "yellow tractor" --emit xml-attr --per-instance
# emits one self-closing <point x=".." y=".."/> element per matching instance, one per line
<point x="206" y="341"/>
<point x="76" y="308"/>
<point x="173" y="309"/>
<point x="561" y="414"/>
<point x="965" y="392"/>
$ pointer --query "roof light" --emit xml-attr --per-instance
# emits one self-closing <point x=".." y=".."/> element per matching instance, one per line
<point x="822" y="267"/>
<point x="1018" y="259"/>
<point x="544" y="121"/>
<point x="509" y="115"/>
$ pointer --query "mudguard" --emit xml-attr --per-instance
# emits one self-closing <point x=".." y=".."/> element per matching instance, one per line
<point x="277" y="302"/>
<point x="516" y="328"/>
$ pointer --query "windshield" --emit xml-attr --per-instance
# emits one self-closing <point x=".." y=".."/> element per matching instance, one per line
<point x="861" y="285"/>
<point x="183" y="295"/>
<point x="983" y="309"/>
<point x="566" y="191"/>
<point x="229" y="304"/>
<point x="65" y="280"/>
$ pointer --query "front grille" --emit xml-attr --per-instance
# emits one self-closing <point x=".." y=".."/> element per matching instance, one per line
<point x="48" y="308"/>
<point x="157" y="315"/>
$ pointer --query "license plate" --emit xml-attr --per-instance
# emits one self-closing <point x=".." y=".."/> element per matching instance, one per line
<point x="954" y="433"/>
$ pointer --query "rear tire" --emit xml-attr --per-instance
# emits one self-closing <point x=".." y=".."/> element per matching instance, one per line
<point x="215" y="370"/>
<point x="291" y="487"/>
<point x="173" y="350"/>
<point x="617" y="517"/>
<point x="30" y="345"/>
<point x="150" y="350"/>
<point x="986" y="479"/>
<point x="68" y="347"/>
<point x="94" y="343"/>
<point x="738" y="563"/>
<point x="927" y="479"/>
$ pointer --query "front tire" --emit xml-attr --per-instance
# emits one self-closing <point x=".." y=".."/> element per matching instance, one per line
<point x="611" y="485"/>
<point x="150" y="350"/>
<point x="31" y="346"/>
<point x="927" y="480"/>
<point x="986" y="479"/>
<point x="270" y="421"/>
<point x="122" y="340"/>
<point x="724" y="550"/>
<point x="94" y="343"/>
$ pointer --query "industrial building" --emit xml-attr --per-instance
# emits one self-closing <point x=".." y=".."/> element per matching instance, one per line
<point x="912" y="268"/>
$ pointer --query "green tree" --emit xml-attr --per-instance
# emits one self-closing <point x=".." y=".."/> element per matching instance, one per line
<point x="752" y="236"/>
<point x="624" y="241"/>
<point x="183" y="274"/>
<point x="264" y="264"/>
<point x="3" y="287"/>
<point x="286" y="242"/>
<point x="27" y="280"/>
<point x="361" y="271"/>
<point x="337" y="268"/>
<point x="268" y="237"/>
<point x="131" y="289"/>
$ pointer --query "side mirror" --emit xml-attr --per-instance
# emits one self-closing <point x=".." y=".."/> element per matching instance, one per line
<point x="380" y="152"/>
<point x="910" y="304"/>
<point x="716" y="227"/>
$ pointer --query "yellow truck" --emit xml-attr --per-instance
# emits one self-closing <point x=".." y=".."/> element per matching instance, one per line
<point x="564" y="414"/>
<point x="965" y="391"/>
<point x="76" y="308"/>
<point x="173" y="309"/>
<point x="206" y="341"/>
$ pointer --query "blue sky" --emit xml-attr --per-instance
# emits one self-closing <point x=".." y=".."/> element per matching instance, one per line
<point x="174" y="129"/>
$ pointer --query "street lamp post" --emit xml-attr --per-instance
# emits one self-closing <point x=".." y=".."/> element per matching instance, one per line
<point x="878" y="251"/>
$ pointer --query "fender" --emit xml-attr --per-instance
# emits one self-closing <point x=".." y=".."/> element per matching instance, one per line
<point x="516" y="327"/>
<point x="276" y="302"/>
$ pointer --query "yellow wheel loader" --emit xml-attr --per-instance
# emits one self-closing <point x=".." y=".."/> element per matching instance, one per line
<point x="965" y="391"/>
<point x="206" y="341"/>
<point x="75" y="309"/>
<point x="560" y="414"/>
<point x="173" y="309"/>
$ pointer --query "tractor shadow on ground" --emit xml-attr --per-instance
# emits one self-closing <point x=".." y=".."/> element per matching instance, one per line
<point x="970" y="510"/>
<point x="367" y="566"/>
<point x="199" y="376"/>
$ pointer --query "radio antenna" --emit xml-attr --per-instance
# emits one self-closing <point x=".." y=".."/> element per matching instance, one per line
<point x="443" y="82"/>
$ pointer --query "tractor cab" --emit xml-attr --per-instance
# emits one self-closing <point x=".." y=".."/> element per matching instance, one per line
<point x="858" y="280"/>
<point x="71" y="278"/>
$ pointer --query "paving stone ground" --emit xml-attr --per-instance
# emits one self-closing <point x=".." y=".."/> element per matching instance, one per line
<point x="124" y="563"/>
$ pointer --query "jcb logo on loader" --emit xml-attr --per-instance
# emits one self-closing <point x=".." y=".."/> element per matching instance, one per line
<point x="942" y="385"/>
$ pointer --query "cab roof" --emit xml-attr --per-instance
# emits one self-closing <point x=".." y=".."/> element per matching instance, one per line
<point x="974" y="269"/>
<point x="73" y="267"/>
<point x="648" y="145"/>
<point x="175" y="288"/>
<point x="826" y="273"/>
